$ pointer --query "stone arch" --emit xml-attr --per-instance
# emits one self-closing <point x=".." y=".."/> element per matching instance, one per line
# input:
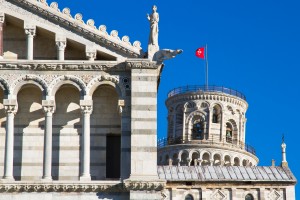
<point x="194" y="155"/>
<point x="231" y="132"/>
<point x="193" y="151"/>
<point x="193" y="114"/>
<point x="204" y="105"/>
<point x="217" y="157"/>
<point x="175" y="158"/>
<point x="29" y="79"/>
<point x="195" y="125"/>
<point x="206" y="157"/>
<point x="190" y="105"/>
<point x="236" y="161"/>
<point x="105" y="80"/>
<point x="227" y="160"/>
<point x="181" y="152"/>
<point x="67" y="79"/>
<point x="217" y="110"/>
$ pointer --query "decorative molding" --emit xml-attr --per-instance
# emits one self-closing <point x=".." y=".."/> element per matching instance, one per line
<point x="48" y="106"/>
<point x="77" y="66"/>
<point x="207" y="96"/>
<point x="218" y="195"/>
<point x="88" y="29"/>
<point x="138" y="64"/>
<point x="28" y="77"/>
<point x="30" y="29"/>
<point x="61" y="45"/>
<point x="144" y="185"/>
<point x="60" y="66"/>
<point x="61" y="187"/>
<point x="86" y="109"/>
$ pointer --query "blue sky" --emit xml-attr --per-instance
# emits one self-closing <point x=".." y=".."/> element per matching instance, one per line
<point x="254" y="47"/>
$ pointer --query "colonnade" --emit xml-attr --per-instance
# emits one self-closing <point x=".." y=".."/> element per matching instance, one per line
<point x="30" y="31"/>
<point x="11" y="108"/>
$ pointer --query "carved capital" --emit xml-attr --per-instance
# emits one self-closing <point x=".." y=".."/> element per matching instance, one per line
<point x="48" y="106"/>
<point x="10" y="106"/>
<point x="86" y="109"/>
<point x="49" y="109"/>
<point x="2" y="17"/>
<point x="86" y="106"/>
<point x="61" y="45"/>
<point x="29" y="29"/>
<point x="90" y="53"/>
<point x="11" y="109"/>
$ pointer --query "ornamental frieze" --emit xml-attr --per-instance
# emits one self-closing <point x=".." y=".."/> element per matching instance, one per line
<point x="108" y="66"/>
<point x="61" y="187"/>
<point x="144" y="185"/>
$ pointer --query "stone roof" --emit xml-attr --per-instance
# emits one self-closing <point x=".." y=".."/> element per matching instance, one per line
<point x="87" y="28"/>
<point x="225" y="173"/>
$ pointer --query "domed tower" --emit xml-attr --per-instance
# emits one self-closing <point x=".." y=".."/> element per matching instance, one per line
<point x="206" y="126"/>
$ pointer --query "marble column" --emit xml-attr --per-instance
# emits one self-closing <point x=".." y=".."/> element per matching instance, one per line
<point x="1" y="33"/>
<point x="49" y="110"/>
<point x="86" y="109"/>
<point x="61" y="45"/>
<point x="30" y="32"/>
<point x="11" y="110"/>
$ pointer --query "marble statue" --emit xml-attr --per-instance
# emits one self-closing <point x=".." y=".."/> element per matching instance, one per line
<point x="153" y="19"/>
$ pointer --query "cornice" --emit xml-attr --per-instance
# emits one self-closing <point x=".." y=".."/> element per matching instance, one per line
<point x="207" y="96"/>
<point x="61" y="187"/>
<point x="77" y="65"/>
<point x="88" y="29"/>
<point x="156" y="185"/>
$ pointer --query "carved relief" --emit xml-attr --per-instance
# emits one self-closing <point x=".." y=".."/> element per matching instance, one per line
<point x="218" y="195"/>
<point x="62" y="188"/>
<point x="28" y="77"/>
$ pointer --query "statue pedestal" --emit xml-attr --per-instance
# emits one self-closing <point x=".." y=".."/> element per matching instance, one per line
<point x="152" y="49"/>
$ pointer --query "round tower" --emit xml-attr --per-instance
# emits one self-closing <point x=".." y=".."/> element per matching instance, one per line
<point x="206" y="126"/>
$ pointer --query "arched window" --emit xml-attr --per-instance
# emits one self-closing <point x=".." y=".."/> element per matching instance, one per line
<point x="197" y="131"/>
<point x="228" y="133"/>
<point x="188" y="197"/>
<point x="249" y="197"/>
<point x="216" y="117"/>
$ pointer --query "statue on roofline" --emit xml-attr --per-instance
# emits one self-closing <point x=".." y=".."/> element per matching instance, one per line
<point x="153" y="19"/>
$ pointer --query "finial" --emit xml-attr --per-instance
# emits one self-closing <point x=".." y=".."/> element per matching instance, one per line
<point x="284" y="163"/>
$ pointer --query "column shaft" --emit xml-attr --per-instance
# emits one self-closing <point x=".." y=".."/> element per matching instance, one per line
<point x="29" y="47"/>
<point x="86" y="109"/>
<point x="9" y="146"/>
<point x="1" y="39"/>
<point x="48" y="147"/>
<point x="86" y="146"/>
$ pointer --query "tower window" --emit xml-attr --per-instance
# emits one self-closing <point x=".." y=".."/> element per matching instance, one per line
<point x="228" y="133"/>
<point x="216" y="117"/>
<point x="197" y="131"/>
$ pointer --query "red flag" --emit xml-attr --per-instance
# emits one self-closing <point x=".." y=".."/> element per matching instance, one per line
<point x="200" y="52"/>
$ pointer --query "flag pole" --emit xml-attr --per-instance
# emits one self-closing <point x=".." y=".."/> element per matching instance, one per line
<point x="206" y="68"/>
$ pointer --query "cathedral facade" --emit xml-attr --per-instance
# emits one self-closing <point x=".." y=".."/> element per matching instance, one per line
<point x="78" y="117"/>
